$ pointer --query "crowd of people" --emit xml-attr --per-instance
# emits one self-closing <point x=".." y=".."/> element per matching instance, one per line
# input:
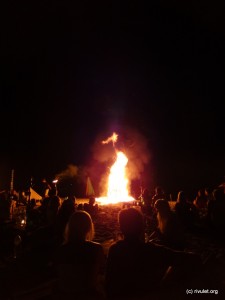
<point x="149" y="260"/>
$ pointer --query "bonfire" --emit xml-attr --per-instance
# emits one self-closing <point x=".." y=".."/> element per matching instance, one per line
<point x="118" y="183"/>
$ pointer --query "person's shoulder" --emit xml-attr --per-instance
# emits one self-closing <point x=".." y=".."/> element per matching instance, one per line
<point x="177" y="206"/>
<point x="94" y="246"/>
<point x="151" y="246"/>
<point x="116" y="246"/>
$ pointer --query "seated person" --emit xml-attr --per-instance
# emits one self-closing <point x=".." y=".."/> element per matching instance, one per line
<point x="184" y="210"/>
<point x="135" y="269"/>
<point x="67" y="208"/>
<point x="170" y="232"/>
<point x="201" y="202"/>
<point x="79" y="261"/>
<point x="216" y="211"/>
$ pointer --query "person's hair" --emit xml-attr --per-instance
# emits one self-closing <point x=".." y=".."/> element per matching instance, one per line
<point x="158" y="190"/>
<point x="162" y="206"/>
<point x="218" y="194"/>
<point x="131" y="223"/>
<point x="181" y="197"/>
<point x="163" y="213"/>
<point x="92" y="200"/>
<point x="79" y="227"/>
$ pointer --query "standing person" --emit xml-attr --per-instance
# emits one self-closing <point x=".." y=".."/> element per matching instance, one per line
<point x="43" y="188"/>
<point x="79" y="260"/>
<point x="159" y="194"/>
<point x="54" y="203"/>
<point x="146" y="198"/>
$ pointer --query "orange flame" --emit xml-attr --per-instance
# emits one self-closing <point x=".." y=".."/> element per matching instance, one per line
<point x="112" y="139"/>
<point x="117" y="190"/>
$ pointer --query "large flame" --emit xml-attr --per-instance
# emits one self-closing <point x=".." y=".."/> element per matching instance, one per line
<point x="117" y="189"/>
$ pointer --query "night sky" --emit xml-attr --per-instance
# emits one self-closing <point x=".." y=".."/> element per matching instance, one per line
<point x="75" y="71"/>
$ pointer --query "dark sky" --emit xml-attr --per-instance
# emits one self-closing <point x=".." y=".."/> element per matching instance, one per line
<point x="72" y="70"/>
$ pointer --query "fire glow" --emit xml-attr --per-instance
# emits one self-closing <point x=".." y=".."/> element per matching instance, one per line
<point x="117" y="186"/>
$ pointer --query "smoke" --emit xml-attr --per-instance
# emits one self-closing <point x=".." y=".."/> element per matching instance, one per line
<point x="136" y="149"/>
<point x="70" y="172"/>
<point x="103" y="152"/>
<point x="103" y="156"/>
<point x="71" y="181"/>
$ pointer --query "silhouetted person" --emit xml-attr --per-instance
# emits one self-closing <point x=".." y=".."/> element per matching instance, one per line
<point x="216" y="211"/>
<point x="135" y="269"/>
<point x="146" y="200"/>
<point x="91" y="207"/>
<point x="159" y="194"/>
<point x="34" y="215"/>
<point x="184" y="210"/>
<point x="43" y="188"/>
<point x="5" y="207"/>
<point x="67" y="208"/>
<point x="79" y="261"/>
<point x="201" y="202"/>
<point x="52" y="207"/>
<point x="43" y="210"/>
<point x="80" y="206"/>
<point x="170" y="231"/>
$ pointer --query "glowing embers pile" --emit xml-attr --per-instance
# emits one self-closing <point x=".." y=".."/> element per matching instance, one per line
<point x="117" y="189"/>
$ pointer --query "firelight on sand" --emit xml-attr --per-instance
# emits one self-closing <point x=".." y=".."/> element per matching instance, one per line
<point x="117" y="186"/>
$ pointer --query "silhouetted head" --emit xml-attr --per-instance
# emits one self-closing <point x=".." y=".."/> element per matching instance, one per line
<point x="72" y="198"/>
<point x="52" y="192"/>
<point x="54" y="202"/>
<point x="181" y="197"/>
<point x="208" y="191"/>
<point x="146" y="192"/>
<point x="131" y="223"/>
<point x="164" y="213"/>
<point x="218" y="194"/>
<point x="201" y="193"/>
<point x="158" y="190"/>
<point x="162" y="207"/>
<point x="92" y="200"/>
<point x="79" y="227"/>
